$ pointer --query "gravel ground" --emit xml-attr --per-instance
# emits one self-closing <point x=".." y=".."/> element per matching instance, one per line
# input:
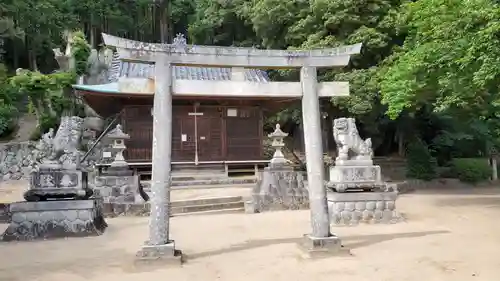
<point x="448" y="235"/>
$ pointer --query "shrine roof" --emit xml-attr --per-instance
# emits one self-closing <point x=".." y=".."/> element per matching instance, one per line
<point x="143" y="70"/>
<point x="110" y="88"/>
<point x="119" y="68"/>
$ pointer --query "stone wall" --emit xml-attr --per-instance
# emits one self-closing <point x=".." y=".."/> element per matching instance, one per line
<point x="18" y="159"/>
<point x="117" y="189"/>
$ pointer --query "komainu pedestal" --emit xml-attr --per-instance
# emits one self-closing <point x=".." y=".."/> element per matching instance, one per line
<point x="54" y="219"/>
<point x="352" y="208"/>
<point x="357" y="192"/>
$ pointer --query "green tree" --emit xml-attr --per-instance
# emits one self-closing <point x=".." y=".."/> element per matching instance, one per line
<point x="449" y="62"/>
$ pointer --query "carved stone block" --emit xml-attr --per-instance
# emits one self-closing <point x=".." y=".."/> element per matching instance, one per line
<point x="367" y="207"/>
<point x="343" y="178"/>
<point x="53" y="182"/>
<point x="54" y="219"/>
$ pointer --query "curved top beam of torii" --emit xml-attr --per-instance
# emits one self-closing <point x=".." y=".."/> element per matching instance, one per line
<point x="180" y="53"/>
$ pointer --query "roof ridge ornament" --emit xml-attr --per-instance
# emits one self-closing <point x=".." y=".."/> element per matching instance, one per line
<point x="180" y="43"/>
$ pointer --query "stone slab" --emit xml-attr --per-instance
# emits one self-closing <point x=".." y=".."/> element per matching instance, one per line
<point x="54" y="219"/>
<point x="53" y="182"/>
<point x="346" y="178"/>
<point x="321" y="246"/>
<point x="354" y="162"/>
<point x="362" y="196"/>
<point x="51" y="205"/>
<point x="159" y="254"/>
<point x="355" y="174"/>
<point x="367" y="207"/>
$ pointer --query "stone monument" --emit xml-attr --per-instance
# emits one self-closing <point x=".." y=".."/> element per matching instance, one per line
<point x="357" y="192"/>
<point x="58" y="202"/>
<point x="278" y="187"/>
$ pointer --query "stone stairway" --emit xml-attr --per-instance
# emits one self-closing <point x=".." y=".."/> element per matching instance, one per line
<point x="195" y="206"/>
<point x="217" y="205"/>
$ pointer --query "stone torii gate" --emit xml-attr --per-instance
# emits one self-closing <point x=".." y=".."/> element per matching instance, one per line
<point x="180" y="53"/>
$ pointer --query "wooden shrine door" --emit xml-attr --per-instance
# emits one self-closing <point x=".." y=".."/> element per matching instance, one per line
<point x="196" y="135"/>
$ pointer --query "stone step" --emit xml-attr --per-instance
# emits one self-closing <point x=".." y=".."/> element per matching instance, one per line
<point x="206" y="207"/>
<point x="178" y="177"/>
<point x="208" y="183"/>
<point x="249" y="186"/>
<point x="212" y="181"/>
<point x="213" y="212"/>
<point x="198" y="168"/>
<point x="206" y="201"/>
<point x="229" y="203"/>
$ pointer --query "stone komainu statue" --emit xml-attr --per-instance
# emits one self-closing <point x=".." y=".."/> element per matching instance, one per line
<point x="348" y="140"/>
<point x="67" y="139"/>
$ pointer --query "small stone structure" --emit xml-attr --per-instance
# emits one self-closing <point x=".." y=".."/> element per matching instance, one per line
<point x="357" y="192"/>
<point x="278" y="187"/>
<point x="117" y="184"/>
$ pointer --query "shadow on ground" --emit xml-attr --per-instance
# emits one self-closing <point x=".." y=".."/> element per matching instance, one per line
<point x="366" y="240"/>
<point x="484" y="201"/>
<point x="459" y="190"/>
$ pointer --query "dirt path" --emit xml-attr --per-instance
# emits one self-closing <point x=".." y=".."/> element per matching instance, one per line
<point x="452" y="236"/>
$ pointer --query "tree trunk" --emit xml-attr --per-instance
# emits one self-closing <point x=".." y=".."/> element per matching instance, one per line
<point x="32" y="60"/>
<point x="329" y="137"/>
<point x="494" y="171"/>
<point x="15" y="54"/>
<point x="401" y="144"/>
<point x="163" y="23"/>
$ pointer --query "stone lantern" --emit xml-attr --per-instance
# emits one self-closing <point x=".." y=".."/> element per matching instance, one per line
<point x="118" y="137"/>
<point x="277" y="137"/>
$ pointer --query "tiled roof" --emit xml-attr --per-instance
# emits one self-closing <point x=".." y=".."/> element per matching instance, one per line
<point x="129" y="69"/>
<point x="119" y="68"/>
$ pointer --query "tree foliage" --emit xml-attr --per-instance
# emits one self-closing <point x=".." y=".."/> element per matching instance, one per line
<point x="428" y="69"/>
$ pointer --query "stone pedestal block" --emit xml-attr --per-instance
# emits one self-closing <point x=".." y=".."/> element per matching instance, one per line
<point x="117" y="189"/>
<point x="319" y="246"/>
<point x="164" y="253"/>
<point x="51" y="181"/>
<point x="351" y="208"/>
<point x="278" y="189"/>
<point x="54" y="219"/>
<point x="343" y="178"/>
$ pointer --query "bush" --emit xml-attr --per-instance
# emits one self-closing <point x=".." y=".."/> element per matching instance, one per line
<point x="419" y="162"/>
<point x="471" y="170"/>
